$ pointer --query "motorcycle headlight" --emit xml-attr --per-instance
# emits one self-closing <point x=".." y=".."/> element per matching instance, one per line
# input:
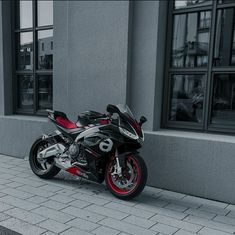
<point x="128" y="133"/>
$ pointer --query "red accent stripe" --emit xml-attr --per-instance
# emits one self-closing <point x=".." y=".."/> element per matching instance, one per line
<point x="74" y="170"/>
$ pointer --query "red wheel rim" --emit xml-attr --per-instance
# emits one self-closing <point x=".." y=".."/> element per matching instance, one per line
<point x="136" y="180"/>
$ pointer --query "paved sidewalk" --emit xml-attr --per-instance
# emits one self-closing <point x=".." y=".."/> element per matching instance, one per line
<point x="65" y="205"/>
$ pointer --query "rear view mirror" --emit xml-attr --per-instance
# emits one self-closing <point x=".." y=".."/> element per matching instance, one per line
<point x="142" y="120"/>
<point x="112" y="109"/>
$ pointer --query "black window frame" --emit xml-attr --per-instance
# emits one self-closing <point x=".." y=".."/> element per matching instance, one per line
<point x="35" y="71"/>
<point x="209" y="72"/>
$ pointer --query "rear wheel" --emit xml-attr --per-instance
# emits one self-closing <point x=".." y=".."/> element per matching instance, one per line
<point x="44" y="168"/>
<point x="132" y="180"/>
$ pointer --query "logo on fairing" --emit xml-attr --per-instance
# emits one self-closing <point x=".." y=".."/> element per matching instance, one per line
<point x="106" y="145"/>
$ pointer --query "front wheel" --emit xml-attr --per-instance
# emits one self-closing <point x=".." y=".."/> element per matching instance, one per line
<point x="132" y="180"/>
<point x="45" y="169"/>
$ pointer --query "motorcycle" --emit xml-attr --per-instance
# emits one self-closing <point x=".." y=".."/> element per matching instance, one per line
<point x="97" y="147"/>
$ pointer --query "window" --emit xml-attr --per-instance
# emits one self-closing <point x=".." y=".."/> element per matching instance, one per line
<point x="200" y="66"/>
<point x="33" y="40"/>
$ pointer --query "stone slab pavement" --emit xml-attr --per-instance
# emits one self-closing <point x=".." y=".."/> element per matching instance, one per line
<point x="68" y="206"/>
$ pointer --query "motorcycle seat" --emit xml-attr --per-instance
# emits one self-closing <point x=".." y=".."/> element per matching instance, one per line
<point x="62" y="119"/>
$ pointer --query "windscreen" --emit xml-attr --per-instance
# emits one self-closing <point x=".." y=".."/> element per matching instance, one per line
<point x="125" y="110"/>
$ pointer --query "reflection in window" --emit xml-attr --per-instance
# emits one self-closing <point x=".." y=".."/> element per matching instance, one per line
<point x="187" y="96"/>
<point x="45" y="12"/>
<point x="25" y="92"/>
<point x="25" y="17"/>
<point x="224" y="51"/>
<point x="45" y="92"/>
<point x="226" y="1"/>
<point x="190" y="3"/>
<point x="45" y="51"/>
<point x="223" y="104"/>
<point x="25" y="51"/>
<point x="191" y="39"/>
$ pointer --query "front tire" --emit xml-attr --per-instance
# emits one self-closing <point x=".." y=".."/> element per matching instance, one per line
<point x="132" y="181"/>
<point x="45" y="170"/>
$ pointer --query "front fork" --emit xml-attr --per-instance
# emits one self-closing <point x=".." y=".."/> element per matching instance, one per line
<point x="120" y="163"/>
<point x="117" y="167"/>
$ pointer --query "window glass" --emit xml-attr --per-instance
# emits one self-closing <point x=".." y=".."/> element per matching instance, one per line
<point x="223" y="104"/>
<point x="25" y="92"/>
<point x="224" y="50"/>
<point x="45" y="50"/>
<point x="191" y="39"/>
<point x="24" y="51"/>
<point x="44" y="92"/>
<point x="45" y="13"/>
<point x="187" y="96"/>
<point x="191" y="3"/>
<point x="24" y="18"/>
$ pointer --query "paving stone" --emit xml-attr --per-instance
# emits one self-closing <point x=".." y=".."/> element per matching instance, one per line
<point x="87" y="198"/>
<point x="210" y="224"/>
<point x="23" y="204"/>
<point x="36" y="191"/>
<point x="37" y="199"/>
<point x="199" y="213"/>
<point x="22" y="227"/>
<point x="176" y="223"/>
<point x="176" y="207"/>
<point x="102" y="230"/>
<point x="27" y="216"/>
<point x="62" y="199"/>
<point x="231" y="214"/>
<point x="49" y="233"/>
<point x="225" y="219"/>
<point x="54" y="226"/>
<point x="30" y="182"/>
<point x="53" y="214"/>
<point x="209" y="231"/>
<point x="139" y="221"/>
<point x="83" y="224"/>
<point x="17" y="193"/>
<point x="125" y="227"/>
<point x="107" y="212"/>
<point x="166" y="212"/>
<point x="205" y="202"/>
<point x="4" y="207"/>
<point x="4" y="217"/>
<point x="4" y="181"/>
<point x="230" y="207"/>
<point x="214" y="209"/>
<point x="74" y="231"/>
<point x="50" y="188"/>
<point x="130" y="210"/>
<point x="83" y="214"/>
<point x="183" y="232"/>
<point x="171" y="194"/>
<point x="54" y="205"/>
<point x="79" y="203"/>
<point x="2" y="194"/>
<point x="14" y="184"/>
<point x="165" y="229"/>
<point x="150" y="202"/>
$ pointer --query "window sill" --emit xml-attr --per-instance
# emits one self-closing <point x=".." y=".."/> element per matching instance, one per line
<point x="25" y="118"/>
<point x="193" y="135"/>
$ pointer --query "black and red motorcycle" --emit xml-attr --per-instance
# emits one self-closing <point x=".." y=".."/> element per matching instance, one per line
<point x="97" y="147"/>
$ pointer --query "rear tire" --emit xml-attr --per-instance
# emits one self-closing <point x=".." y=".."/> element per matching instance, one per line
<point x="139" y="170"/>
<point x="35" y="165"/>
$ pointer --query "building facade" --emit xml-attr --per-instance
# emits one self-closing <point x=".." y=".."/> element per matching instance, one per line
<point x="171" y="61"/>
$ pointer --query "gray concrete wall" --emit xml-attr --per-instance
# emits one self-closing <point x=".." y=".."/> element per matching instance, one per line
<point x="192" y="163"/>
<point x="91" y="53"/>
